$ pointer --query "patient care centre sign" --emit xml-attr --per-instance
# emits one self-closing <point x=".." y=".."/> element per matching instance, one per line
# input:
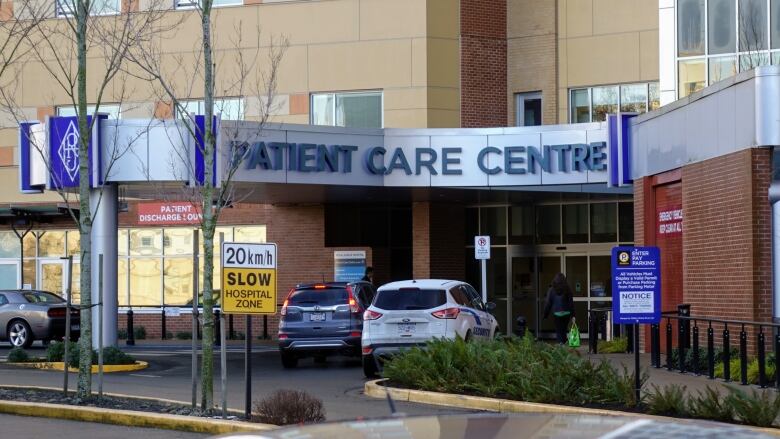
<point x="636" y="285"/>
<point x="248" y="278"/>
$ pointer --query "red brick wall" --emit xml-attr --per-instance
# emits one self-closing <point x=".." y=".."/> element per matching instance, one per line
<point x="483" y="64"/>
<point x="421" y="240"/>
<point x="762" y="234"/>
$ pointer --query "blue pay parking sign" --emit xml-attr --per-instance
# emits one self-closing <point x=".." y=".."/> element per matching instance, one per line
<point x="636" y="285"/>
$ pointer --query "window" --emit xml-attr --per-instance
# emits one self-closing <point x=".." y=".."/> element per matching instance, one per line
<point x="351" y="110"/>
<point x="42" y="297"/>
<point x="603" y="222"/>
<point x="114" y="111"/>
<point x="690" y="27"/>
<point x="3" y="300"/>
<point x="67" y="8"/>
<point x="692" y="75"/>
<point x="575" y="223"/>
<point x="594" y="103"/>
<point x="774" y="24"/>
<point x="409" y="299"/>
<point x="230" y="108"/>
<point x="722" y="24"/>
<point x="528" y="109"/>
<point x="183" y="4"/>
<point x="722" y="67"/>
<point x="752" y="25"/>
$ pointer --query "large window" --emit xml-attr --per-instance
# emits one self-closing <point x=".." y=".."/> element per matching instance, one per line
<point x="184" y="4"/>
<point x="230" y="108"/>
<point x="594" y="103"/>
<point x="66" y="8"/>
<point x="114" y="111"/>
<point x="739" y="35"/>
<point x="351" y="110"/>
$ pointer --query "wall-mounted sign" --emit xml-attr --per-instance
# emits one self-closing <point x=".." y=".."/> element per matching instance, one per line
<point x="636" y="285"/>
<point x="670" y="220"/>
<point x="174" y="213"/>
<point x="349" y="265"/>
<point x="248" y="278"/>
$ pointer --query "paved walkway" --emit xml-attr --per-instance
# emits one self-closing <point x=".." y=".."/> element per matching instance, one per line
<point x="29" y="427"/>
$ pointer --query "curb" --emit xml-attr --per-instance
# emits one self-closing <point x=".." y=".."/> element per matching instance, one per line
<point x="375" y="389"/>
<point x="130" y="418"/>
<point x="107" y="368"/>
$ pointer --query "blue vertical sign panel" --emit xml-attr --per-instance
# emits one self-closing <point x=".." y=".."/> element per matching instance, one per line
<point x="349" y="266"/>
<point x="64" y="143"/>
<point x="636" y="285"/>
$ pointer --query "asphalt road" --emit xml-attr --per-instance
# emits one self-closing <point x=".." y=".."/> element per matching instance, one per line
<point x="25" y="427"/>
<point x="338" y="382"/>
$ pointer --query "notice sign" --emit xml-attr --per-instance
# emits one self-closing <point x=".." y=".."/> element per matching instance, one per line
<point x="482" y="247"/>
<point x="349" y="266"/>
<point x="248" y="278"/>
<point x="670" y="220"/>
<point x="636" y="285"/>
<point x="172" y="214"/>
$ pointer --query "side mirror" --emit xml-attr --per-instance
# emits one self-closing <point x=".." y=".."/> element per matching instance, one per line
<point x="490" y="306"/>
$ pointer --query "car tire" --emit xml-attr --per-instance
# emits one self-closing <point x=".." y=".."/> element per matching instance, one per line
<point x="19" y="334"/>
<point x="468" y="337"/>
<point x="289" y="361"/>
<point x="369" y="366"/>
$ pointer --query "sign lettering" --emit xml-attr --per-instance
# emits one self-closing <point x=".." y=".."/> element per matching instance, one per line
<point x="248" y="278"/>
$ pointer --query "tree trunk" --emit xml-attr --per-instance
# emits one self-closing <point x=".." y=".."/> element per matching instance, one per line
<point x="85" y="217"/>
<point x="209" y="215"/>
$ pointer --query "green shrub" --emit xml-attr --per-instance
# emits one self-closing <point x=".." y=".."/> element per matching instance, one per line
<point x="18" y="355"/>
<point x="735" y="373"/>
<point x="668" y="401"/>
<point x="169" y="335"/>
<point x="710" y="404"/>
<point x="114" y="355"/>
<point x="618" y="345"/>
<point x="121" y="334"/>
<point x="518" y="368"/>
<point x="56" y="351"/>
<point x="184" y="335"/>
<point x="139" y="332"/>
<point x="759" y="408"/>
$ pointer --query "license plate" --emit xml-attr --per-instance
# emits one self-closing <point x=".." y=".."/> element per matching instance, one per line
<point x="75" y="327"/>
<point x="407" y="328"/>
<point x="317" y="317"/>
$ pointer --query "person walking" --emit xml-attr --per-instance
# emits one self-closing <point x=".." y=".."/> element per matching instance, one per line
<point x="369" y="275"/>
<point x="561" y="303"/>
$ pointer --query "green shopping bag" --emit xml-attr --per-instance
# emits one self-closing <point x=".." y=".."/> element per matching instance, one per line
<point x="574" y="334"/>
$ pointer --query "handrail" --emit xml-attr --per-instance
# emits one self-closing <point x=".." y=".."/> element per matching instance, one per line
<point x="726" y="322"/>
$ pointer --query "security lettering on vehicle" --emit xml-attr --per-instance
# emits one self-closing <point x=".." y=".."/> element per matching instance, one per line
<point x="248" y="278"/>
<point x="481" y="332"/>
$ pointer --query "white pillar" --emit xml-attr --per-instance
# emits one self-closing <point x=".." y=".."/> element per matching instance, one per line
<point x="104" y="241"/>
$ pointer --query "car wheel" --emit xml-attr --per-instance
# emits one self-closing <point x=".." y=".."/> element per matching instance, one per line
<point x="289" y="361"/>
<point x="369" y="366"/>
<point x="19" y="334"/>
<point x="467" y="338"/>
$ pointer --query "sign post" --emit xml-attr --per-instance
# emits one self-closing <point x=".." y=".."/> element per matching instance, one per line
<point x="482" y="253"/>
<point x="248" y="287"/>
<point x="636" y="286"/>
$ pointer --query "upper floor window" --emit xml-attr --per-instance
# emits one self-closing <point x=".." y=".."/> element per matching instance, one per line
<point x="739" y="35"/>
<point x="67" y="8"/>
<point x="528" y="109"/>
<point x="183" y="4"/>
<point x="230" y="108"/>
<point x="594" y="103"/>
<point x="114" y="111"/>
<point x="351" y="110"/>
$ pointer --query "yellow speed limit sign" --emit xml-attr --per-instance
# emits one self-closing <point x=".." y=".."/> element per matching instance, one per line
<point x="248" y="278"/>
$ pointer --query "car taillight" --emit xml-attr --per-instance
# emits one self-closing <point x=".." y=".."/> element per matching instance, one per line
<point x="355" y="334"/>
<point x="354" y="307"/>
<point x="371" y="315"/>
<point x="448" y="313"/>
<point x="367" y="350"/>
<point x="56" y="312"/>
<point x="283" y="311"/>
<point x="282" y="336"/>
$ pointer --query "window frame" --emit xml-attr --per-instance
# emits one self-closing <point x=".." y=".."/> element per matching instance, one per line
<point x="520" y="99"/>
<point x="91" y="110"/>
<point x="60" y="12"/>
<point x="186" y="5"/>
<point x="335" y="95"/>
<point x="619" y="86"/>
<point x="201" y="105"/>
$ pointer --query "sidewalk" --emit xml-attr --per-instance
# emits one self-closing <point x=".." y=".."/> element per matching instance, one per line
<point x="662" y="377"/>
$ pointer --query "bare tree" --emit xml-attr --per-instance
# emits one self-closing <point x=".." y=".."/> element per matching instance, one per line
<point x="247" y="70"/>
<point x="753" y="35"/>
<point x="82" y="46"/>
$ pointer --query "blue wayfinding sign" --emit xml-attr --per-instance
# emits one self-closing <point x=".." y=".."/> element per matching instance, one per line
<point x="636" y="285"/>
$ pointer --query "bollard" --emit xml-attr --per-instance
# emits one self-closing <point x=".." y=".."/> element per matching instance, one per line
<point x="681" y="345"/>
<point x="710" y="352"/>
<point x="761" y="358"/>
<point x="684" y="310"/>
<point x="217" y="340"/>
<point x="695" y="348"/>
<point x="630" y="339"/>
<point x="265" y="327"/>
<point x="668" y="344"/>
<point x="163" y="327"/>
<point x="655" y="345"/>
<point x="130" y="331"/>
<point x="726" y="354"/>
<point x="593" y="336"/>
<point x="231" y="331"/>
<point x="520" y="326"/>
<point x="743" y="356"/>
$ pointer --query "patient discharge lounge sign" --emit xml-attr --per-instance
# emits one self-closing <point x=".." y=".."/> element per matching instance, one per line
<point x="248" y="278"/>
<point x="636" y="285"/>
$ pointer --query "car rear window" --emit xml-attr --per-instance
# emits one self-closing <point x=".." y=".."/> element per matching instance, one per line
<point x="407" y="299"/>
<point x="321" y="297"/>
<point x="41" y="297"/>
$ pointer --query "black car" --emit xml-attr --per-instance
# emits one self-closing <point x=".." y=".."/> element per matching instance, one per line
<point x="322" y="319"/>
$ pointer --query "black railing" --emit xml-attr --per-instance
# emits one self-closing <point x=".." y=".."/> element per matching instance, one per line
<point x="688" y="338"/>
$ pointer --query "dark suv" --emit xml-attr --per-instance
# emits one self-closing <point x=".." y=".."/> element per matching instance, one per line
<point x="323" y="319"/>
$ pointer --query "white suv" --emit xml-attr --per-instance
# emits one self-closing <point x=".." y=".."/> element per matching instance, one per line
<point x="409" y="313"/>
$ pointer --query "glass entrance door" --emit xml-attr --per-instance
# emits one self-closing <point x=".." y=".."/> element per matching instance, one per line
<point x="9" y="275"/>
<point x="51" y="275"/>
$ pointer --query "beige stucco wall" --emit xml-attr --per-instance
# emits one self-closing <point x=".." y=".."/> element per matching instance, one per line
<point x="605" y="42"/>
